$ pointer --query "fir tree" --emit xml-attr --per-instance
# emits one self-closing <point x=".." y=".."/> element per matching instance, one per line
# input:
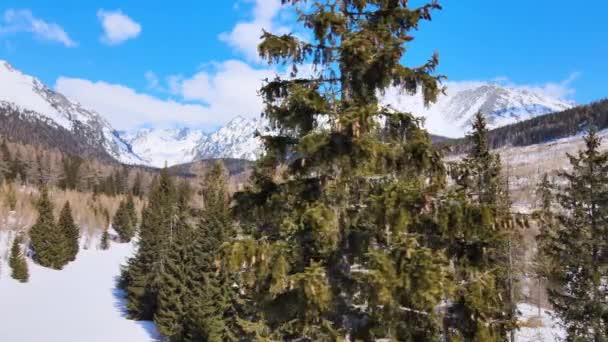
<point x="17" y="262"/>
<point x="19" y="168"/>
<point x="479" y="172"/>
<point x="479" y="234"/>
<point x="70" y="231"/>
<point x="546" y="220"/>
<point x="11" y="197"/>
<point x="122" y="223"/>
<point x="577" y="248"/>
<point x="7" y="161"/>
<point x="338" y="225"/>
<point x="104" y="244"/>
<point x="141" y="279"/>
<point x="136" y="190"/>
<point x="48" y="240"/>
<point x="174" y="294"/>
<point x="212" y="296"/>
<point x="130" y="208"/>
<point x="71" y="172"/>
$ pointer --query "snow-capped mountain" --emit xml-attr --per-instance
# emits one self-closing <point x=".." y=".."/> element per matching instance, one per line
<point x="26" y="95"/>
<point x="235" y="140"/>
<point x="159" y="146"/>
<point x="451" y="115"/>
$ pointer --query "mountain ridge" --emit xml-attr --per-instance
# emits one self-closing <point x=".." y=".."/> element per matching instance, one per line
<point x="27" y="97"/>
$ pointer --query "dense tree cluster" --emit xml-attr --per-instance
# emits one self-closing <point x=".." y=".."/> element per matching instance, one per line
<point x="541" y="128"/>
<point x="32" y="165"/>
<point x="11" y="167"/>
<point x="54" y="243"/>
<point x="174" y="279"/>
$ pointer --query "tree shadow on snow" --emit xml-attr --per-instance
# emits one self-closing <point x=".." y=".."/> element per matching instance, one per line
<point x="120" y="303"/>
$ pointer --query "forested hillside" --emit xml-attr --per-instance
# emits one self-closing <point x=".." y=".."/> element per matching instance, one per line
<point x="541" y="129"/>
<point x="31" y="128"/>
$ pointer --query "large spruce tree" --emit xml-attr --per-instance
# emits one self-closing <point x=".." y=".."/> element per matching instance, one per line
<point x="48" y="240"/>
<point x="172" y="316"/>
<point x="142" y="277"/>
<point x="70" y="231"/>
<point x="338" y="225"/>
<point x="578" y="248"/>
<point x="479" y="232"/>
<point x="213" y="294"/>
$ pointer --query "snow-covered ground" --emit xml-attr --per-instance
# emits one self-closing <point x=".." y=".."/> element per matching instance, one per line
<point x="535" y="328"/>
<point x="79" y="303"/>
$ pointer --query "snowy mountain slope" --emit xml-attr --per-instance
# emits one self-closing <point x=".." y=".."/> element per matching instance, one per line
<point x="235" y="140"/>
<point x="78" y="303"/>
<point x="29" y="96"/>
<point x="178" y="146"/>
<point x="451" y="115"/>
<point x="160" y="146"/>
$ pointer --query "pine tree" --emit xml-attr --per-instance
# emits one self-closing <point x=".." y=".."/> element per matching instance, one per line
<point x="479" y="234"/>
<point x="18" y="168"/>
<point x="17" y="262"/>
<point x="141" y="279"/>
<point x="71" y="172"/>
<point x="478" y="174"/>
<point x="338" y="226"/>
<point x="577" y="248"/>
<point x="176" y="283"/>
<point x="104" y="244"/>
<point x="7" y="161"/>
<point x="130" y="208"/>
<point x="546" y="220"/>
<point x="11" y="197"/>
<point x="213" y="294"/>
<point x="70" y="231"/>
<point x="48" y="241"/>
<point x="122" y="223"/>
<point x="136" y="190"/>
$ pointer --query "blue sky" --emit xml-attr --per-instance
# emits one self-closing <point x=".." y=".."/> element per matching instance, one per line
<point x="193" y="62"/>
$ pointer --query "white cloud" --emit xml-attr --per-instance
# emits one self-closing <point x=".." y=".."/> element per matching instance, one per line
<point x="117" y="27"/>
<point x="562" y="90"/>
<point x="245" y="36"/>
<point x="15" y="21"/>
<point x="231" y="84"/>
<point x="208" y="98"/>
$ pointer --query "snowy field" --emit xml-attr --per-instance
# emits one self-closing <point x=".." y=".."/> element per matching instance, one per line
<point x="79" y="303"/>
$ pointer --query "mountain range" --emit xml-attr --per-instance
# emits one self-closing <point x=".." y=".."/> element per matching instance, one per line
<point x="25" y="99"/>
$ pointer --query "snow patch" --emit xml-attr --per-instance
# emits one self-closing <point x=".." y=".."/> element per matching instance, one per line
<point x="79" y="303"/>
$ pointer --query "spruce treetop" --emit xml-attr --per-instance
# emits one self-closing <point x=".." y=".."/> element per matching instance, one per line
<point x="356" y="54"/>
